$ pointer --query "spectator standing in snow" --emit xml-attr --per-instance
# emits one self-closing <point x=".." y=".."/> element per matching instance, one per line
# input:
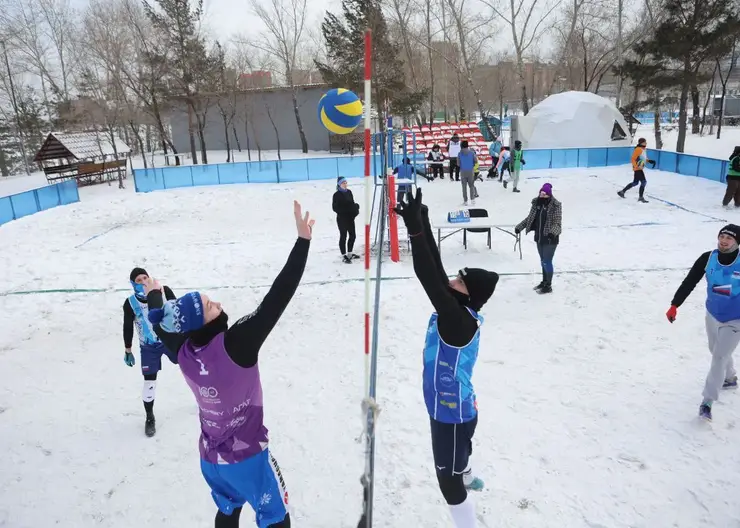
<point x="343" y="203"/>
<point x="436" y="157"/>
<point x="545" y="219"/>
<point x="453" y="149"/>
<point x="721" y="267"/>
<point x="405" y="171"/>
<point x="639" y="158"/>
<point x="494" y="150"/>
<point x="733" y="180"/>
<point x="517" y="160"/>
<point x="504" y="163"/>
<point x="467" y="159"/>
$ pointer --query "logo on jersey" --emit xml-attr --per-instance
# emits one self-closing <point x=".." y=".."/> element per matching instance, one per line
<point x="447" y="379"/>
<point x="203" y="371"/>
<point x="723" y="289"/>
<point x="208" y="392"/>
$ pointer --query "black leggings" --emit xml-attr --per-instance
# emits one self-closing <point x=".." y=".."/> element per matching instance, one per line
<point x="232" y="521"/>
<point x="346" y="227"/>
<point x="637" y="179"/>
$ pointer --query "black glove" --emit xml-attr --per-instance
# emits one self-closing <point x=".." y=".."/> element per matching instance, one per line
<point x="411" y="212"/>
<point x="524" y="162"/>
<point x="517" y="230"/>
<point x="652" y="162"/>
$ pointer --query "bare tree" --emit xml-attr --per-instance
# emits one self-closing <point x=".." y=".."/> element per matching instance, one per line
<point x="285" y="21"/>
<point x="723" y="81"/>
<point x="526" y="29"/>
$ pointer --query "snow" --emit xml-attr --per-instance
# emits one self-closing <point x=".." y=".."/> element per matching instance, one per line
<point x="587" y="397"/>
<point x="707" y="145"/>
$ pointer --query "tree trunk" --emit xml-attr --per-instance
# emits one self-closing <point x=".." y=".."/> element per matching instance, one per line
<point x="226" y="135"/>
<point x="139" y="140"/>
<point x="246" y="131"/>
<point x="696" y="109"/>
<point x="706" y="104"/>
<point x="522" y="84"/>
<point x="656" y="125"/>
<point x="191" y="133"/>
<point x="236" y="137"/>
<point x="304" y="143"/>
<point x="682" y="115"/>
<point x="722" y="108"/>
<point x="275" y="128"/>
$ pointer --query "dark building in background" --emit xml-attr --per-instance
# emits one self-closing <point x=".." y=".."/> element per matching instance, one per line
<point x="254" y="80"/>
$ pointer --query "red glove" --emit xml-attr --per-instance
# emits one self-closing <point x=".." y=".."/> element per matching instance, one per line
<point x="671" y="313"/>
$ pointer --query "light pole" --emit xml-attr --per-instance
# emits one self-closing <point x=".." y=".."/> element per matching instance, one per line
<point x="15" y="108"/>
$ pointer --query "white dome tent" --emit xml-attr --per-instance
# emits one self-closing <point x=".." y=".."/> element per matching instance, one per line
<point x="572" y="120"/>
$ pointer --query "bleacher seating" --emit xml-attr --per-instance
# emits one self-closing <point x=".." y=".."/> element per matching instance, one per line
<point x="440" y="133"/>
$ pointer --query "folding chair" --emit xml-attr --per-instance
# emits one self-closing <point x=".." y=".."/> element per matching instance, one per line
<point x="477" y="213"/>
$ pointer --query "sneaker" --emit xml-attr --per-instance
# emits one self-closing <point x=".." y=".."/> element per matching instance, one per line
<point x="465" y="204"/>
<point x="643" y="200"/>
<point x="705" y="411"/>
<point x="472" y="483"/>
<point x="539" y="286"/>
<point x="517" y="190"/>
<point x="354" y="256"/>
<point x="730" y="383"/>
<point x="621" y="194"/>
<point x="472" y="202"/>
<point x="149" y="427"/>
<point x="505" y="184"/>
<point x="346" y="259"/>
<point x="546" y="288"/>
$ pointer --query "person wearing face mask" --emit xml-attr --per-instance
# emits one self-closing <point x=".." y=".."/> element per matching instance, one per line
<point x="721" y="268"/>
<point x="135" y="312"/>
<point x="449" y="357"/>
<point x="219" y="364"/>
<point x="545" y="219"/>
<point x="436" y="157"/>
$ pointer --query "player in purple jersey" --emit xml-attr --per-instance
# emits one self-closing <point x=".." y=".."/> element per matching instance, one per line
<point x="219" y="364"/>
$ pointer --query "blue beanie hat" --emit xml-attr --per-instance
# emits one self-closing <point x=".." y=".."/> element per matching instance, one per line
<point x="340" y="181"/>
<point x="181" y="315"/>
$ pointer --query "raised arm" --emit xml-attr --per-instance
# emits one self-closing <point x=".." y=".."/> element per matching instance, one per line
<point x="433" y="249"/>
<point x="245" y="338"/>
<point x="173" y="342"/>
<point x="128" y="325"/>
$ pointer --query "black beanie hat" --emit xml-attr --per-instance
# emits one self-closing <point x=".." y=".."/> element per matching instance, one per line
<point x="732" y="230"/>
<point x="480" y="284"/>
<point x="136" y="272"/>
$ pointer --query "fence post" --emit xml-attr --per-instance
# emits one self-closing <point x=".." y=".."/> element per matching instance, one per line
<point x="308" y="170"/>
<point x="218" y="174"/>
<point x="36" y="199"/>
<point x="12" y="208"/>
<point x="59" y="195"/>
<point x="277" y="171"/>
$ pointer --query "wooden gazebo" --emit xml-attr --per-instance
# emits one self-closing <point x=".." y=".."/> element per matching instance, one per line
<point x="88" y="157"/>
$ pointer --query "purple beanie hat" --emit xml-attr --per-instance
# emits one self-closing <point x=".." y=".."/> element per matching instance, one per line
<point x="547" y="189"/>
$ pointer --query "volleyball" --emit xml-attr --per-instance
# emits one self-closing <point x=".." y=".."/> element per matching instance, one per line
<point x="340" y="111"/>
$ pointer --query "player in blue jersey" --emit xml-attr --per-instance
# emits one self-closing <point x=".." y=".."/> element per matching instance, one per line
<point x="135" y="312"/>
<point x="721" y="267"/>
<point x="450" y="353"/>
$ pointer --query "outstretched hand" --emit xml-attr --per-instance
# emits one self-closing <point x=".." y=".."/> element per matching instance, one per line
<point x="303" y="223"/>
<point x="151" y="284"/>
<point x="411" y="210"/>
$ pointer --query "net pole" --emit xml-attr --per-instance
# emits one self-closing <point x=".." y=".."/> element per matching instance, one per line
<point x="368" y="203"/>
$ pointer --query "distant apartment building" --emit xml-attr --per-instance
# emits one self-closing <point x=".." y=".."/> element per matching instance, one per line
<point x="255" y="79"/>
<point x="307" y="77"/>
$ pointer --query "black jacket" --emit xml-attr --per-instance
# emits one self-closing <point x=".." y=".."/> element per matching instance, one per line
<point x="343" y="203"/>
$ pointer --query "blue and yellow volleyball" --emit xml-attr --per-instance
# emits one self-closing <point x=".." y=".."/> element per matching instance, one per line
<point x="340" y="111"/>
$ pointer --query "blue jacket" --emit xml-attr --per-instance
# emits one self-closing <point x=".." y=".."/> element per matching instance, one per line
<point x="723" y="289"/>
<point x="495" y="149"/>
<point x="448" y="388"/>
<point x="466" y="159"/>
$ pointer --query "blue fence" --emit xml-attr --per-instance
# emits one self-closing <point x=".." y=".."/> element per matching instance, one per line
<point x="309" y="169"/>
<point x="30" y="202"/>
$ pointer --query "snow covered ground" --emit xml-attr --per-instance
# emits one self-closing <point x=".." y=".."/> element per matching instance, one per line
<point x="587" y="397"/>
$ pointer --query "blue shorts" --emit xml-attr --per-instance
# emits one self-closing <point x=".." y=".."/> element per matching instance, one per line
<point x="256" y="480"/>
<point x="151" y="358"/>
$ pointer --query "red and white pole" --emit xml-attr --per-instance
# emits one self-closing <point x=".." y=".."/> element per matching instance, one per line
<point x="368" y="203"/>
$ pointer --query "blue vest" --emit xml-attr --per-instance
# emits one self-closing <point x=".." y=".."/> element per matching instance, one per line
<point x="466" y="160"/>
<point x="723" y="289"/>
<point x="144" y="328"/>
<point x="448" y="389"/>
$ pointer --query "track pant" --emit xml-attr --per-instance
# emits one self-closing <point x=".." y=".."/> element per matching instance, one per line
<point x="637" y="179"/>
<point x="346" y="227"/>
<point x="454" y="168"/>
<point x="723" y="338"/>
<point x="468" y="181"/>
<point x="438" y="170"/>
<point x="547" y="252"/>
<point x="514" y="177"/>
<point x="732" y="192"/>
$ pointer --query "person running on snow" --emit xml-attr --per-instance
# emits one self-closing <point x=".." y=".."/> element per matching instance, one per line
<point x="721" y="267"/>
<point x="135" y="312"/>
<point x="220" y="365"/>
<point x="517" y="160"/>
<point x="449" y="357"/>
<point x="494" y="150"/>
<point x="639" y="158"/>
<point x="504" y="163"/>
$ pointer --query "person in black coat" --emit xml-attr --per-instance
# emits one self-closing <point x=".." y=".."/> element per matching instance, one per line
<point x="343" y="203"/>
